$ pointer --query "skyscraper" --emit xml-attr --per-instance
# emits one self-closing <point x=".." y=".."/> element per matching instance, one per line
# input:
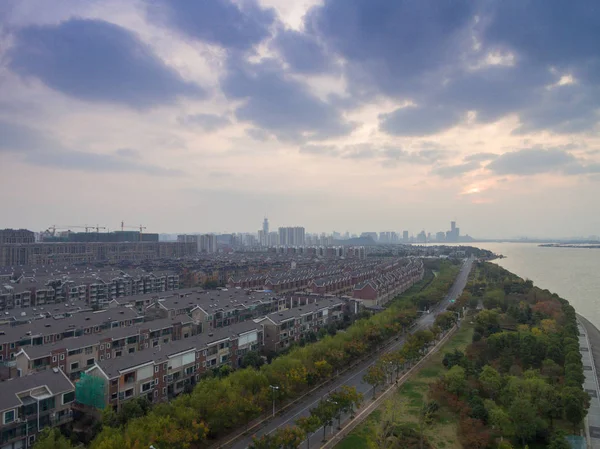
<point x="266" y="226"/>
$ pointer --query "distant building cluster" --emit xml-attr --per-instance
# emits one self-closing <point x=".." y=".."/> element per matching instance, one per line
<point x="20" y="248"/>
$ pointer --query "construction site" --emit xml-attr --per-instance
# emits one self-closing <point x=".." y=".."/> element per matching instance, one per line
<point x="62" y="245"/>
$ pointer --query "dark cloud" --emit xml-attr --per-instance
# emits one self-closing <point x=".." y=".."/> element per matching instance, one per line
<point x="207" y="122"/>
<point x="532" y="161"/>
<point x="37" y="148"/>
<point x="452" y="171"/>
<point x="281" y="105"/>
<point x="238" y="25"/>
<point x="391" y="45"/>
<point x="418" y="121"/>
<point x="302" y="51"/>
<point x="95" y="60"/>
<point x="424" y="51"/>
<point x="480" y="157"/>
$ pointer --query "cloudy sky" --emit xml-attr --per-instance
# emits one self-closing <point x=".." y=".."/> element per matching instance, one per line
<point x="359" y="115"/>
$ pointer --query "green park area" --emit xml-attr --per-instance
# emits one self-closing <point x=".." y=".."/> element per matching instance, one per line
<point x="404" y="409"/>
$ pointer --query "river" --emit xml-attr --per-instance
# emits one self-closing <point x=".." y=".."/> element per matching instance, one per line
<point x="573" y="273"/>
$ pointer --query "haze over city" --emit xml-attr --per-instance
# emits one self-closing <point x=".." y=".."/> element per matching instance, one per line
<point x="347" y="115"/>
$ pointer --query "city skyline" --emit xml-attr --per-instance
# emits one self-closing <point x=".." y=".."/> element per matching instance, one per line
<point x="217" y="110"/>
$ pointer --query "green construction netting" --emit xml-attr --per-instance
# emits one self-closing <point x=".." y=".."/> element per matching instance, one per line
<point x="90" y="390"/>
<point x="576" y="442"/>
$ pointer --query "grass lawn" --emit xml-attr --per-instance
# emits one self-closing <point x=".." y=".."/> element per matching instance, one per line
<point x="409" y="399"/>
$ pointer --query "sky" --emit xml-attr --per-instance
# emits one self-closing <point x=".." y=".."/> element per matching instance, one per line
<point x="346" y="115"/>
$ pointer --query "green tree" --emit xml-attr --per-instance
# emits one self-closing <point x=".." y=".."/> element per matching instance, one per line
<point x="558" y="440"/>
<point x="456" y="380"/>
<point x="309" y="425"/>
<point x="375" y="376"/>
<point x="524" y="418"/>
<point x="51" y="438"/>
<point x="325" y="411"/>
<point x="490" y="380"/>
<point x="575" y="403"/>
<point x="252" y="359"/>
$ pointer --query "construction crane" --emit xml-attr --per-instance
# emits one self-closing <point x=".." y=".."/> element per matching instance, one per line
<point x="140" y="227"/>
<point x="99" y="227"/>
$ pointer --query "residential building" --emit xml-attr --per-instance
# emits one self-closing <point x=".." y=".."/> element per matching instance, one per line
<point x="32" y="403"/>
<point x="207" y="243"/>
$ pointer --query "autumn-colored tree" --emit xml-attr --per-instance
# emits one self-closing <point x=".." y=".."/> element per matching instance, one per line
<point x="375" y="376"/>
<point x="323" y="369"/>
<point x="309" y="425"/>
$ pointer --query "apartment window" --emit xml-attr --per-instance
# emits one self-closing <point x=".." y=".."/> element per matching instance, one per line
<point x="155" y="393"/>
<point x="154" y="344"/>
<point x="165" y="366"/>
<point x="155" y="381"/>
<point x="165" y="379"/>
<point x="156" y="368"/>
<point x="108" y="355"/>
<point x="12" y="346"/>
<point x="62" y="356"/>
<point x="131" y="350"/>
<point x="147" y="386"/>
<point x="114" y="382"/>
<point x="54" y="359"/>
<point x="68" y="397"/>
<point x="74" y="366"/>
<point x="9" y="416"/>
<point x="113" y="396"/>
<point x="1" y="347"/>
<point x="89" y="350"/>
<point x="107" y="345"/>
<point x="101" y="347"/>
<point x="118" y="354"/>
<point x="164" y="390"/>
<point x="101" y="357"/>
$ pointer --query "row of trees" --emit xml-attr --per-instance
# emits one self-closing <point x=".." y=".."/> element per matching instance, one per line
<point x="520" y="379"/>
<point x="220" y="404"/>
<point x="334" y="406"/>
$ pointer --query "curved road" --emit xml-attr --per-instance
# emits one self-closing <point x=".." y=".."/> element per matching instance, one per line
<point x="354" y="377"/>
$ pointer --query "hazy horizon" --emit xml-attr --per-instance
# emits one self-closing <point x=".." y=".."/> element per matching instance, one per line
<point x="346" y="115"/>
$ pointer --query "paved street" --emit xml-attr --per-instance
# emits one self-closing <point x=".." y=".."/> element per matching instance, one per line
<point x="589" y="342"/>
<point x="354" y="377"/>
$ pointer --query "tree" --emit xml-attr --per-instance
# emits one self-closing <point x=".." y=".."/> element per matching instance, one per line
<point x="309" y="425"/>
<point x="325" y="412"/>
<point x="346" y="398"/>
<point x="374" y="376"/>
<point x="524" y="418"/>
<point x="253" y="359"/>
<point x="558" y="441"/>
<point x="289" y="437"/>
<point x="490" y="380"/>
<point x="575" y="403"/>
<point x="456" y="380"/>
<point x="51" y="438"/>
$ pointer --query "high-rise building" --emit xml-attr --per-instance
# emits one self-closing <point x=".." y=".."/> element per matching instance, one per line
<point x="207" y="243"/>
<point x="292" y="236"/>
<point x="405" y="236"/>
<point x="266" y="226"/>
<point x="453" y="235"/>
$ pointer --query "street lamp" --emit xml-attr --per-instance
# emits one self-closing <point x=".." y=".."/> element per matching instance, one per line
<point x="273" y="389"/>
<point x="338" y="413"/>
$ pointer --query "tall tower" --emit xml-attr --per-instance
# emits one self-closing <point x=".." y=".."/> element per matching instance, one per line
<point x="266" y="226"/>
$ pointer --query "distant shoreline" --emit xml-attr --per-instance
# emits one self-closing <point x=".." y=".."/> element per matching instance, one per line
<point x="567" y="245"/>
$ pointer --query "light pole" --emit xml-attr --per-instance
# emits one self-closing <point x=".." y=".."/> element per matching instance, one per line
<point x="338" y="413"/>
<point x="273" y="389"/>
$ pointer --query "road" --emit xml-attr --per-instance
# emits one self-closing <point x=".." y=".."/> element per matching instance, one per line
<point x="354" y="377"/>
